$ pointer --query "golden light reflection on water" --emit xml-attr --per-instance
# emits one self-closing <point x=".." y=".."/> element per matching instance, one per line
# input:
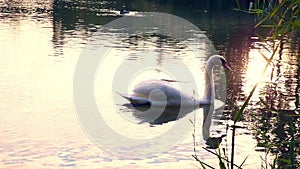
<point x="279" y="76"/>
<point x="254" y="69"/>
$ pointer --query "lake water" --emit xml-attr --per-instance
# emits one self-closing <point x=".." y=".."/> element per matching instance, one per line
<point x="42" y="126"/>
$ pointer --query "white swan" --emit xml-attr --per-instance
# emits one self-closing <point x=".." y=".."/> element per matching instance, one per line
<point x="162" y="92"/>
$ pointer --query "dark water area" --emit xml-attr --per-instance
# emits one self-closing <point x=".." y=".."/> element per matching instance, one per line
<point x="272" y="117"/>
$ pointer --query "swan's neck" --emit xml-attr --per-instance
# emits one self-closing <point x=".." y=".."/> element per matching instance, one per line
<point x="209" y="92"/>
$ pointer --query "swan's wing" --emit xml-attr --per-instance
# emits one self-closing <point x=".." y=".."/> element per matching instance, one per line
<point x="162" y="92"/>
<point x="146" y="88"/>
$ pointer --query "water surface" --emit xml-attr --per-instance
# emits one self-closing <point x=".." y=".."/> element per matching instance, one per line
<point x="40" y="46"/>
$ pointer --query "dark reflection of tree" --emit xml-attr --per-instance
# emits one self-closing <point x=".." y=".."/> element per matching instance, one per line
<point x="236" y="50"/>
<point x="72" y="15"/>
<point x="25" y="7"/>
<point x="88" y="11"/>
<point x="57" y="38"/>
<point x="162" y="44"/>
<point x="169" y="6"/>
<point x="84" y="15"/>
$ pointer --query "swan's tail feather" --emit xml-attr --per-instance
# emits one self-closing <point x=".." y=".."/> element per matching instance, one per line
<point x="136" y="101"/>
<point x="167" y="80"/>
<point x="124" y="95"/>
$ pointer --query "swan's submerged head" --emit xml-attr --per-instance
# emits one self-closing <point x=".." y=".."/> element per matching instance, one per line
<point x="218" y="60"/>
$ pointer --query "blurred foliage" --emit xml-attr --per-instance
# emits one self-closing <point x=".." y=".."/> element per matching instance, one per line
<point x="281" y="16"/>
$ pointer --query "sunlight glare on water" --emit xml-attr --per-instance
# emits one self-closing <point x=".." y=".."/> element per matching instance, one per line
<point x="276" y="73"/>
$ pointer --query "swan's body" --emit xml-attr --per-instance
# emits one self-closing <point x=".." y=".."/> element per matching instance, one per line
<point x="163" y="93"/>
<point x="159" y="92"/>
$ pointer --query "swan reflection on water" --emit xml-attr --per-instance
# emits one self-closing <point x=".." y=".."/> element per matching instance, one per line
<point x="158" y="115"/>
